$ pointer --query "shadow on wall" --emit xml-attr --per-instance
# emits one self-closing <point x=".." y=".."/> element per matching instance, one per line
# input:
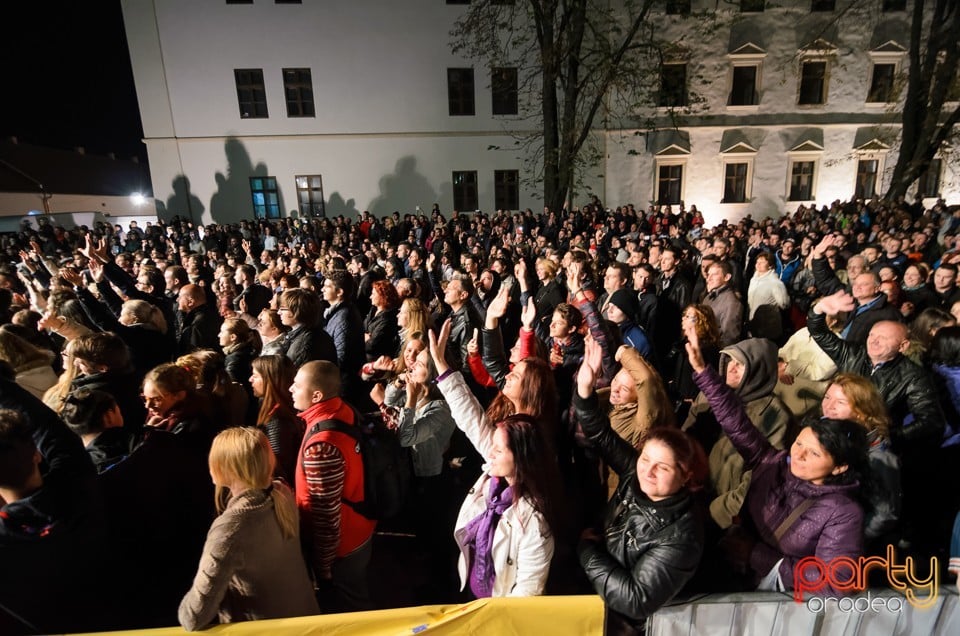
<point x="404" y="190"/>
<point x="183" y="202"/>
<point x="232" y="202"/>
<point x="337" y="206"/>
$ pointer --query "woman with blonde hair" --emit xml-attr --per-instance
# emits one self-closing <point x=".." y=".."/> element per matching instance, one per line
<point x="412" y="318"/>
<point x="271" y="378"/>
<point x="55" y="396"/>
<point x="32" y="365"/>
<point x="853" y="397"/>
<point x="251" y="567"/>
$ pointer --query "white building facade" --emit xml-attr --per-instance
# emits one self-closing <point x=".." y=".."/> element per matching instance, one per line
<point x="270" y="108"/>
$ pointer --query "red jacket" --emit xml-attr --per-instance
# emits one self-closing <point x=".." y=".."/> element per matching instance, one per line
<point x="329" y="470"/>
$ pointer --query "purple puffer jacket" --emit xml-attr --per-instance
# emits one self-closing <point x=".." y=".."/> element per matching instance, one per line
<point x="832" y="527"/>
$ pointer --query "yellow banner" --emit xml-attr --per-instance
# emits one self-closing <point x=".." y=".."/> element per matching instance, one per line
<point x="554" y="615"/>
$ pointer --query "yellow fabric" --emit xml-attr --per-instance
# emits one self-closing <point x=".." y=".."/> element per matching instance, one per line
<point x="554" y="615"/>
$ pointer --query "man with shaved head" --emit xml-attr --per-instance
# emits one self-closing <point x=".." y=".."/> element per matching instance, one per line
<point x="906" y="387"/>
<point x="199" y="321"/>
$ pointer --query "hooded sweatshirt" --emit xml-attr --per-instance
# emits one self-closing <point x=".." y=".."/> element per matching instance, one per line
<point x="766" y="411"/>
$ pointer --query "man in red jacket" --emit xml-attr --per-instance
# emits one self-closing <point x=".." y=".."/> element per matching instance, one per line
<point x="337" y="539"/>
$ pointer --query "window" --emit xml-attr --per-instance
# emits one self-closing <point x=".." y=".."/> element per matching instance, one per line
<point x="881" y="84"/>
<point x="458" y="1"/>
<point x="266" y="199"/>
<point x="310" y="196"/>
<point x="813" y="82"/>
<point x="251" y="94"/>
<point x="894" y="5"/>
<point x="743" y="91"/>
<point x="669" y="184"/>
<point x="465" y="190"/>
<point x="823" y="5"/>
<point x="298" y="91"/>
<point x="867" y="170"/>
<point x="678" y="7"/>
<point x="735" y="182"/>
<point x="288" y="1"/>
<point x="801" y="181"/>
<point x="460" y="91"/>
<point x="503" y="84"/>
<point x="928" y="184"/>
<point x="673" y="85"/>
<point x="751" y="6"/>
<point x="506" y="189"/>
<point x="239" y="1"/>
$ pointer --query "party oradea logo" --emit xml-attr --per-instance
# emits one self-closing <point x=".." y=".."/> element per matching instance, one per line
<point x="844" y="574"/>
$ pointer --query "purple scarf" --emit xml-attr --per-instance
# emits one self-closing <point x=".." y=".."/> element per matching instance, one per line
<point x="479" y="537"/>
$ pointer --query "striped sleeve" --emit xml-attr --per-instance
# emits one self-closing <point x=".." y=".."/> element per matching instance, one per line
<point x="323" y="467"/>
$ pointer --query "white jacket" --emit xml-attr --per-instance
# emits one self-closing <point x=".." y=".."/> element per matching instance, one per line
<point x="522" y="543"/>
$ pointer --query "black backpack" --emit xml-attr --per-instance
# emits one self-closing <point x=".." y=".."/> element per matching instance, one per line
<point x="386" y="469"/>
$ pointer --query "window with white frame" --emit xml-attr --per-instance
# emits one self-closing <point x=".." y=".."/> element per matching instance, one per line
<point x="928" y="183"/>
<point x="670" y="180"/>
<point x="745" y="77"/>
<point x="869" y="167"/>
<point x="886" y="60"/>
<point x="803" y="169"/>
<point x="738" y="172"/>
<point x="814" y="82"/>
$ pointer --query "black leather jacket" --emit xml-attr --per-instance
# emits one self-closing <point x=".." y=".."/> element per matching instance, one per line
<point x="650" y="549"/>
<point x="906" y="387"/>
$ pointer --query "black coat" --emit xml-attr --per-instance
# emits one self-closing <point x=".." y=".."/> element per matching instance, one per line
<point x="52" y="541"/>
<point x="124" y="386"/>
<point x="304" y="344"/>
<point x="384" y="334"/>
<point x="148" y="347"/>
<point x="650" y="549"/>
<point x="199" y="329"/>
<point x="907" y="388"/>
<point x="285" y="435"/>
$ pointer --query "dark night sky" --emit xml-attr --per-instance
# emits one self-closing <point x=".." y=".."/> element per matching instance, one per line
<point x="66" y="78"/>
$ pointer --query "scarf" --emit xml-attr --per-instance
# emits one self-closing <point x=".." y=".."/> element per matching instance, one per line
<point x="479" y="537"/>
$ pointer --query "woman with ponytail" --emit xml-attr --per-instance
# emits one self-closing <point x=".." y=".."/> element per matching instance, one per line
<point x="251" y="567"/>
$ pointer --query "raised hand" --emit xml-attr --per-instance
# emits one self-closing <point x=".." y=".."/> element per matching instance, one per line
<point x="473" y="347"/>
<point x="821" y="248"/>
<point x="590" y="367"/>
<point x="438" y="346"/>
<point x="498" y="306"/>
<point x="96" y="270"/>
<point x="71" y="277"/>
<point x="528" y="315"/>
<point x="834" y="304"/>
<point x="573" y="277"/>
<point x="694" y="355"/>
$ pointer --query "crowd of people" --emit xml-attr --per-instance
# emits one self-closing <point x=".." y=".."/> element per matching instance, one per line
<point x="618" y="401"/>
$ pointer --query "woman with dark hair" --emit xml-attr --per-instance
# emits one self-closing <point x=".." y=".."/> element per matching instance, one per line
<point x="652" y="537"/>
<point x="241" y="345"/>
<point x="272" y="331"/>
<point x="802" y="502"/>
<point x="507" y="523"/>
<point x="922" y="330"/>
<point x="96" y="419"/>
<point x="271" y="378"/>
<point x="382" y="333"/>
<point x="230" y="401"/>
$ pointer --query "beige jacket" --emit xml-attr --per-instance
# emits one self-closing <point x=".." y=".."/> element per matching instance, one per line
<point x="248" y="570"/>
